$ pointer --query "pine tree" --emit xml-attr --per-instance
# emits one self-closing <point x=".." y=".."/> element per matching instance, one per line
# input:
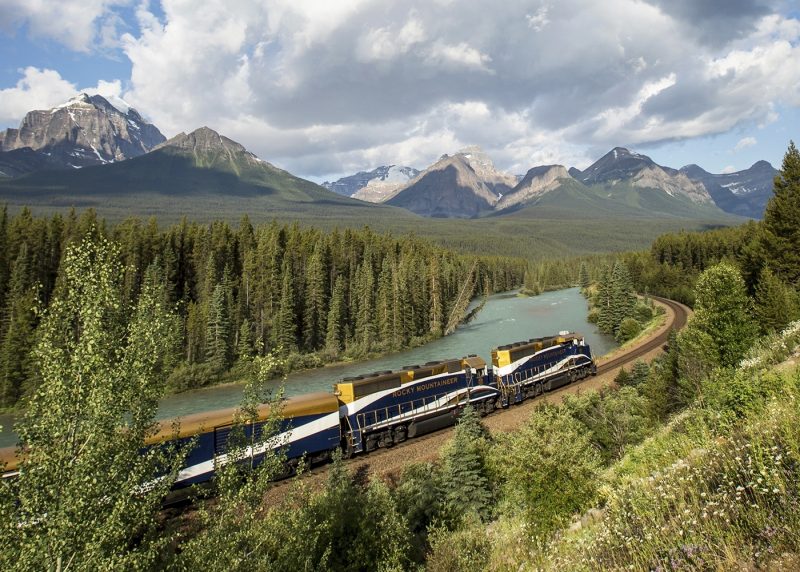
<point x="285" y="332"/>
<point x="16" y="368"/>
<point x="386" y="313"/>
<point x="218" y="331"/>
<point x="244" y="349"/>
<point x="334" y="336"/>
<point x="604" y="302"/>
<point x="467" y="485"/>
<point x="583" y="276"/>
<point x="776" y="304"/>
<point x="365" y="315"/>
<point x="316" y="295"/>
<point x="782" y="221"/>
<point x="623" y="298"/>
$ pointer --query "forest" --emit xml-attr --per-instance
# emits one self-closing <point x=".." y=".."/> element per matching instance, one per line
<point x="240" y="292"/>
<point x="688" y="462"/>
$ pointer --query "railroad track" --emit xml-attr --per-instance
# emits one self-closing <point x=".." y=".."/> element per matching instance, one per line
<point x="376" y="458"/>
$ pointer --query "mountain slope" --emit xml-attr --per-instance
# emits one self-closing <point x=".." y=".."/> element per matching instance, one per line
<point x="536" y="182"/>
<point x="373" y="186"/>
<point x="448" y="188"/>
<point x="744" y="192"/>
<point x="85" y="131"/>
<point x="199" y="171"/>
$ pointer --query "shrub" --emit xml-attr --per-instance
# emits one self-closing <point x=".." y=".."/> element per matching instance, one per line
<point x="548" y="469"/>
<point x="628" y="329"/>
<point x="643" y="313"/>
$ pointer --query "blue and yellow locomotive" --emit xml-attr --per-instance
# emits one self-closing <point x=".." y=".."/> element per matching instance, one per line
<point x="381" y="409"/>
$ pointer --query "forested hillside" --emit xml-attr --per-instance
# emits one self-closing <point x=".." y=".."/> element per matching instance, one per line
<point x="245" y="291"/>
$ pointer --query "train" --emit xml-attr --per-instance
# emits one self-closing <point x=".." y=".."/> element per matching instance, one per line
<point x="377" y="410"/>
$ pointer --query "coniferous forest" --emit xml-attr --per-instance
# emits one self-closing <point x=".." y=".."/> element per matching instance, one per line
<point x="240" y="292"/>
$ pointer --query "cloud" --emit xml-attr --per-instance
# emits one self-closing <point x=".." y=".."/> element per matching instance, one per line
<point x="321" y="87"/>
<point x="77" y="24"/>
<point x="43" y="89"/>
<point x="728" y="169"/>
<point x="744" y="143"/>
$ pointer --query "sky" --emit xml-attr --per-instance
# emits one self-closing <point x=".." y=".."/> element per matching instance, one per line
<point x="326" y="88"/>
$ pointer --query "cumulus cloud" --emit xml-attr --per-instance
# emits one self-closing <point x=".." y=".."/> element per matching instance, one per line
<point x="744" y="143"/>
<point x="324" y="87"/>
<point x="43" y="89"/>
<point x="78" y="24"/>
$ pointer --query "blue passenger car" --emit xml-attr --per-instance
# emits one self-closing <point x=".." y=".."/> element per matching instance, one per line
<point x="385" y="408"/>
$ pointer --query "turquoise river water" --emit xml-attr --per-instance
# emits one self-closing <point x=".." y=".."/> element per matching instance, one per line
<point x="504" y="319"/>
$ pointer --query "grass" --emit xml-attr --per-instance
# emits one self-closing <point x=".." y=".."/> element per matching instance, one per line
<point x="706" y="491"/>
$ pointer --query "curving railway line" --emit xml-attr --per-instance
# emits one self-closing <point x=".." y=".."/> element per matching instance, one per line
<point x="392" y="459"/>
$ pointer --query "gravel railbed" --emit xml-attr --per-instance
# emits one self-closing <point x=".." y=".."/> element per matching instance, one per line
<point x="389" y="463"/>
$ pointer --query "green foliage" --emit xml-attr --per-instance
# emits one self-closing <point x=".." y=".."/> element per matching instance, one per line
<point x="547" y="469"/>
<point x="583" y="276"/>
<point x="465" y="549"/>
<point x="464" y="463"/>
<point x="628" y="329"/>
<point x="782" y="219"/>
<point x="615" y="419"/>
<point x="87" y="497"/>
<point x="247" y="291"/>
<point x="775" y="303"/>
<point x="639" y="373"/>
<point x="722" y="311"/>
<point x="616" y="301"/>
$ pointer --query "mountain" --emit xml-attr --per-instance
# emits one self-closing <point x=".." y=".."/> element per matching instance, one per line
<point x="536" y="182"/>
<point x="373" y="186"/>
<point x="450" y="188"/>
<point x="84" y="131"/>
<point x="743" y="193"/>
<point x="201" y="172"/>
<point x="498" y="181"/>
<point x="623" y="166"/>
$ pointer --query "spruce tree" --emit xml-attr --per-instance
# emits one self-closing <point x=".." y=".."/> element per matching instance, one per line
<point x="316" y="295"/>
<point x="776" y="304"/>
<point x="285" y="333"/>
<point x="782" y="220"/>
<point x="218" y="331"/>
<point x="334" y="336"/>
<point x="583" y="276"/>
<point x="244" y="349"/>
<point x="464" y="472"/>
<point x="16" y="371"/>
<point x="604" y="302"/>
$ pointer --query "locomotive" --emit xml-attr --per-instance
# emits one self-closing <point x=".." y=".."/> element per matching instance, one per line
<point x="381" y="409"/>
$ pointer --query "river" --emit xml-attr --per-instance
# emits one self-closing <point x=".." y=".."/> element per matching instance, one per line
<point x="504" y="319"/>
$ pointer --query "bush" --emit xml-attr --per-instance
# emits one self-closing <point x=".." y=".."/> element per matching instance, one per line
<point x="465" y="549"/>
<point x="548" y="469"/>
<point x="192" y="376"/>
<point x="643" y="313"/>
<point x="628" y="329"/>
<point x="594" y="316"/>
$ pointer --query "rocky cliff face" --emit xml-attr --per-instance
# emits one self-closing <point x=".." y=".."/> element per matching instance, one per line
<point x="536" y="182"/>
<point x="448" y="188"/>
<point x="621" y="166"/>
<point x="86" y="130"/>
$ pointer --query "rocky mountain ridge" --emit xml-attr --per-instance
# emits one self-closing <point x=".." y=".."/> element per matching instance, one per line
<point x="84" y="131"/>
<point x="373" y="186"/>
